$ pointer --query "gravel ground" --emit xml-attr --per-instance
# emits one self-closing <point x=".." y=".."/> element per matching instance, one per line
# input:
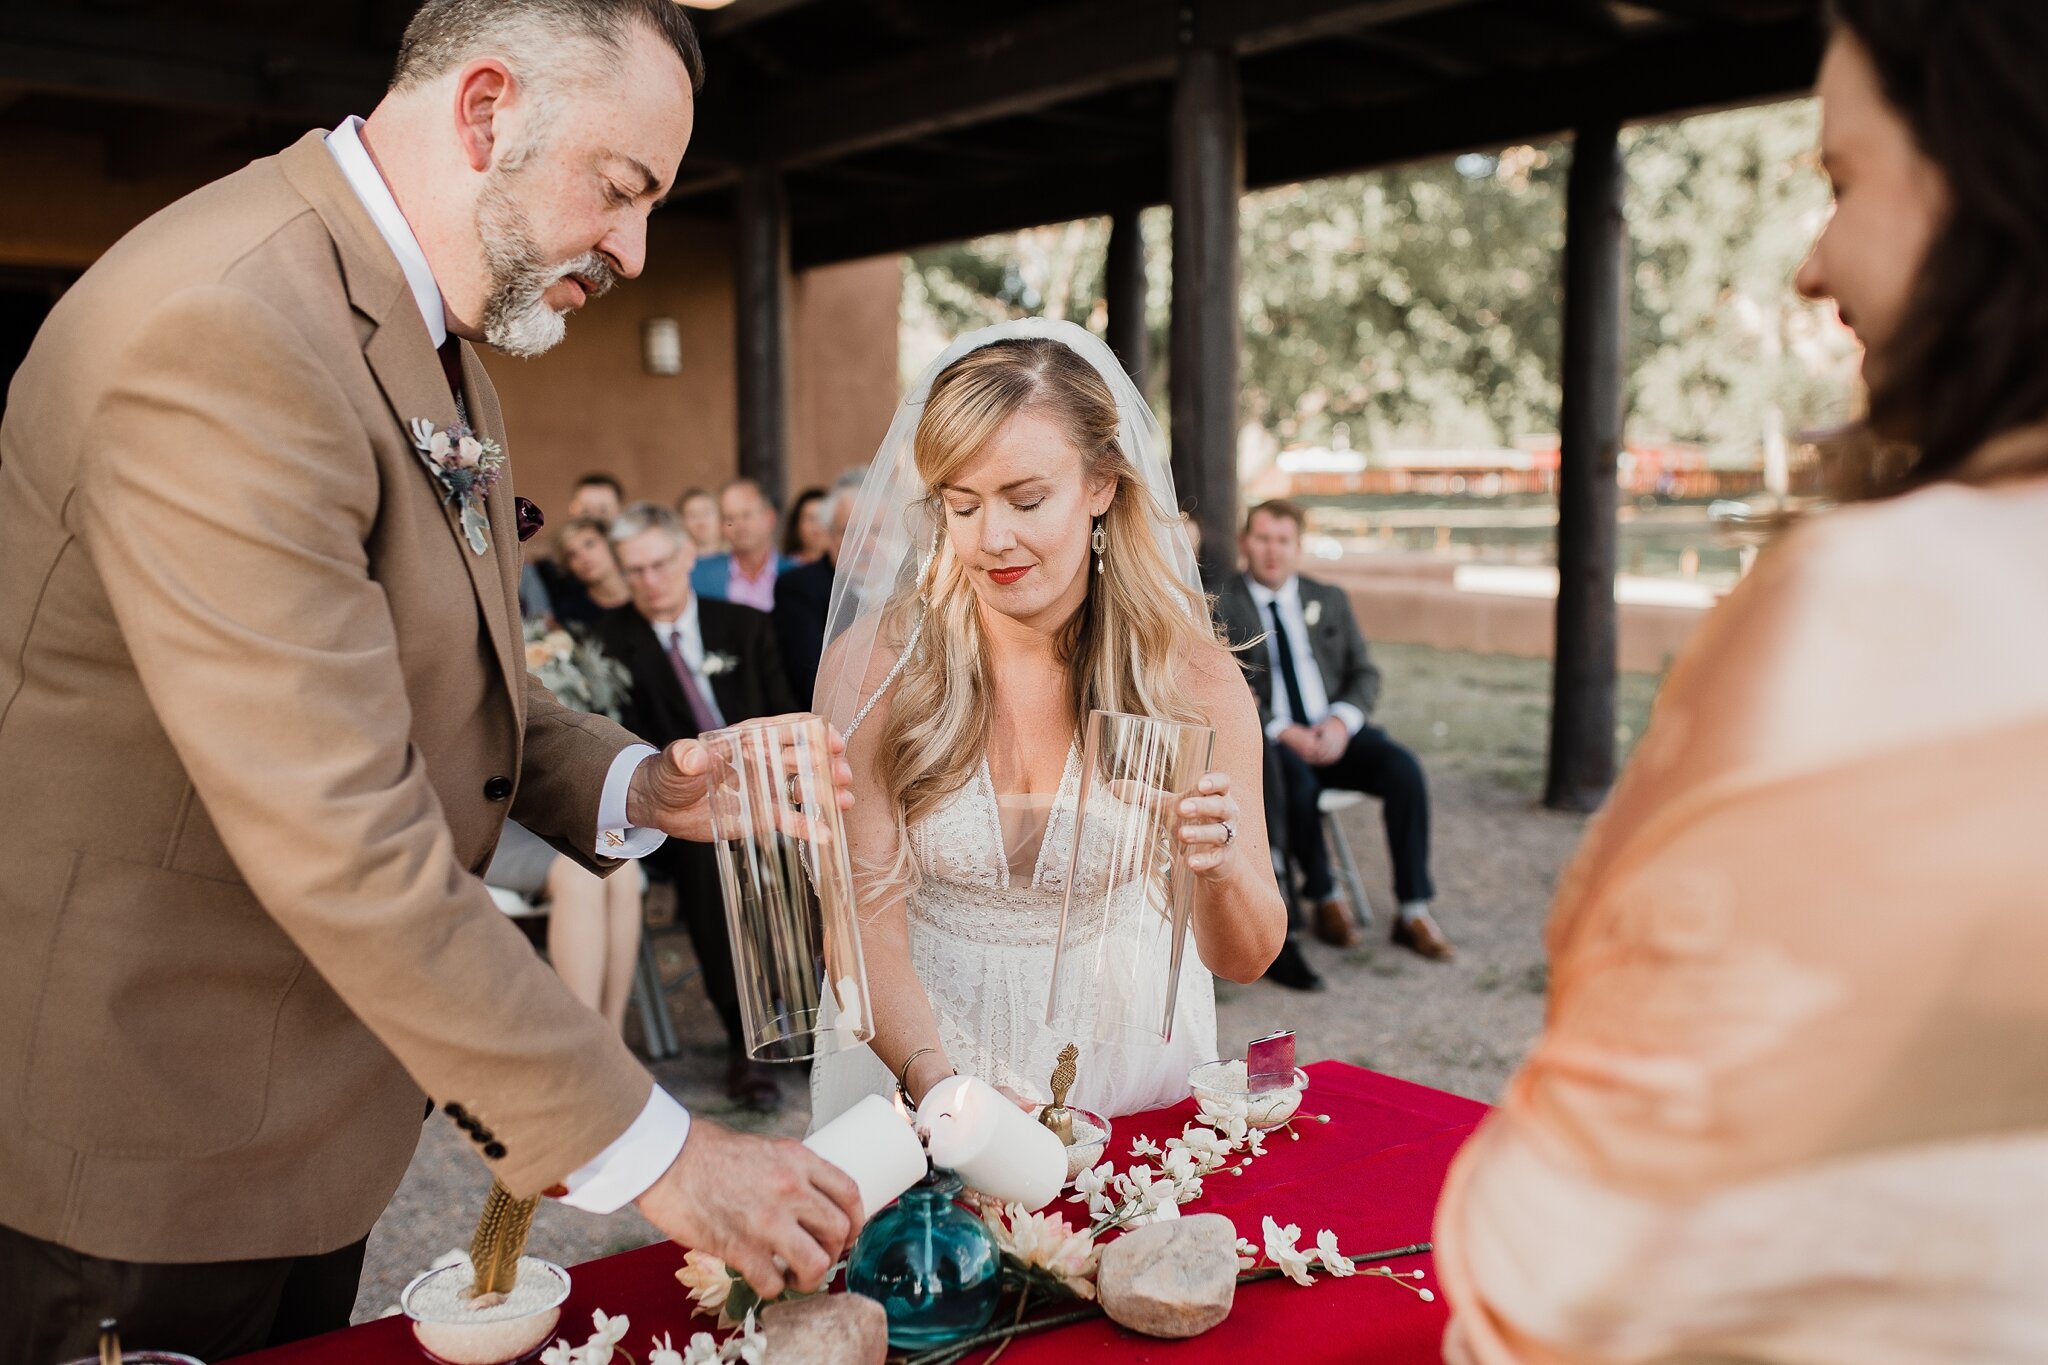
<point x="1479" y="723"/>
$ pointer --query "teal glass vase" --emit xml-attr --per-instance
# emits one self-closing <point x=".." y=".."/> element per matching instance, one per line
<point x="931" y="1265"/>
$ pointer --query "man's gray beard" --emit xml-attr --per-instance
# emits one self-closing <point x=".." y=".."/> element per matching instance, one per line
<point x="517" y="318"/>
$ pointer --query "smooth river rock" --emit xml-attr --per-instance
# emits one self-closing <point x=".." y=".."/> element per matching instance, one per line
<point x="1173" y="1279"/>
<point x="826" y="1329"/>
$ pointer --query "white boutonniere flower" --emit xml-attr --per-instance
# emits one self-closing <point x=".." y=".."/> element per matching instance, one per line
<point x="715" y="664"/>
<point x="1312" y="613"/>
<point x="467" y="467"/>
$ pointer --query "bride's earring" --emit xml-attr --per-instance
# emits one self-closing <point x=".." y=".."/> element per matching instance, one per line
<point x="1100" y="541"/>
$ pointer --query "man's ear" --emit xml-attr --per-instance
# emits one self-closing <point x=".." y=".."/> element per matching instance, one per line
<point x="481" y="90"/>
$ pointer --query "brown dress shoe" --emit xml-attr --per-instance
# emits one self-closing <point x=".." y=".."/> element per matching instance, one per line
<point x="1421" y="937"/>
<point x="1334" y="924"/>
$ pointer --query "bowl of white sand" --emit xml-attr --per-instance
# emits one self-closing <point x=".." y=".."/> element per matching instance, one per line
<point x="454" y="1326"/>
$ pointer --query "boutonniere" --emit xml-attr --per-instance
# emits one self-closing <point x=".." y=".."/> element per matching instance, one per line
<point x="1312" y="613"/>
<point x="467" y="467"/>
<point x="715" y="664"/>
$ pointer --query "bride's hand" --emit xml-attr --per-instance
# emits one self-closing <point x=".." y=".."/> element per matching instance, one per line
<point x="1209" y="826"/>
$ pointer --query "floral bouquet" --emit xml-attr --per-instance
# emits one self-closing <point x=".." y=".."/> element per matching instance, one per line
<point x="572" y="667"/>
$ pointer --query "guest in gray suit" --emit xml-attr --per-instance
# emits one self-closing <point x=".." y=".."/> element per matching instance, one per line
<point x="1316" y="687"/>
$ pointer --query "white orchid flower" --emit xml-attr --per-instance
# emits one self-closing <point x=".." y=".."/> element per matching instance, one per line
<point x="750" y="1346"/>
<point x="702" y="1350"/>
<point x="1282" y="1252"/>
<point x="610" y="1331"/>
<point x="663" y="1352"/>
<point x="1090" y="1183"/>
<point x="561" y="1353"/>
<point x="1334" y="1261"/>
<point x="1144" y="1146"/>
<point x="1247" y="1254"/>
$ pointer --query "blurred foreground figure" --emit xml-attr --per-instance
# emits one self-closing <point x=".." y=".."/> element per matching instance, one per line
<point x="1791" y="1103"/>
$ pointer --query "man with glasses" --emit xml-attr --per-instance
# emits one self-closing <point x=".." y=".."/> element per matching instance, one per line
<point x="696" y="665"/>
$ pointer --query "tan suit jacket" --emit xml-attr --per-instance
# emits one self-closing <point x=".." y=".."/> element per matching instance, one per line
<point x="262" y="717"/>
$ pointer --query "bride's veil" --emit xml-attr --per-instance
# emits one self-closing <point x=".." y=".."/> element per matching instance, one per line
<point x="894" y="532"/>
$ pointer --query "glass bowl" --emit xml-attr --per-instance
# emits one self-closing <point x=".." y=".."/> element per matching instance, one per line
<point x="1225" y="1082"/>
<point x="449" y="1333"/>
<point x="1084" y="1154"/>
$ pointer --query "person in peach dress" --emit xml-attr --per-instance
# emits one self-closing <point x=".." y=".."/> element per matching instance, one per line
<point x="1790" y="1103"/>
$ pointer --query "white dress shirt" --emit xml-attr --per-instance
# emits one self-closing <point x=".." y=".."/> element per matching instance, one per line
<point x="623" y="1171"/>
<point x="693" y="651"/>
<point x="1315" y="691"/>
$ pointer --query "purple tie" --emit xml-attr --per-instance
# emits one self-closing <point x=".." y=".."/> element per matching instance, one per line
<point x="700" y="708"/>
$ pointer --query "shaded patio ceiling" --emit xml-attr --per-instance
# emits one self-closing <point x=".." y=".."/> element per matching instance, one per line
<point x="900" y="123"/>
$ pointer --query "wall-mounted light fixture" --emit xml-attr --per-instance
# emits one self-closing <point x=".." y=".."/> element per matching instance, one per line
<point x="661" y="346"/>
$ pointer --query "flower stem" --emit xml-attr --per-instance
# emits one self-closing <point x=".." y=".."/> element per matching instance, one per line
<point x="947" y="1354"/>
<point x="1274" y="1273"/>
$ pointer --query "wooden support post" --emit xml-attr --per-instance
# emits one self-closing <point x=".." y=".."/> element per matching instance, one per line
<point x="1124" y="293"/>
<point x="761" y="328"/>
<point x="1207" y="182"/>
<point x="1590" y="435"/>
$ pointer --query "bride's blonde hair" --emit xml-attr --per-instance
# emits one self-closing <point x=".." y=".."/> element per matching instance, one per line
<point x="1126" y="647"/>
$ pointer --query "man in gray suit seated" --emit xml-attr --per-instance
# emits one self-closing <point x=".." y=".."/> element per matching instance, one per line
<point x="1316" y="687"/>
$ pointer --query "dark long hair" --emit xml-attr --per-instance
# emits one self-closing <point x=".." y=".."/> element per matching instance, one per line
<point x="1970" y="359"/>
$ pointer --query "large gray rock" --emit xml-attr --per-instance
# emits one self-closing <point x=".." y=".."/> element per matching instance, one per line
<point x="826" y="1329"/>
<point x="1173" y="1279"/>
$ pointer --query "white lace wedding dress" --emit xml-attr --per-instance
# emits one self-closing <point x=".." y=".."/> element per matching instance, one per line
<point x="984" y="919"/>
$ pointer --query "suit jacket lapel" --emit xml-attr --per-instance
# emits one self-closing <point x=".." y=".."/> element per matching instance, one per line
<point x="401" y="356"/>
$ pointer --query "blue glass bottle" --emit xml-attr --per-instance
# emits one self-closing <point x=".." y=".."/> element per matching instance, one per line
<point x="931" y="1265"/>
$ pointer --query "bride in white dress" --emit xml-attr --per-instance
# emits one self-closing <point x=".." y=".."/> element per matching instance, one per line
<point x="1015" y="560"/>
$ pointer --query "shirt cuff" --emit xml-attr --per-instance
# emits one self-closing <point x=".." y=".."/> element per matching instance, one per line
<point x="1278" y="726"/>
<point x="1353" y="718"/>
<point x="616" y="838"/>
<point x="628" y="1168"/>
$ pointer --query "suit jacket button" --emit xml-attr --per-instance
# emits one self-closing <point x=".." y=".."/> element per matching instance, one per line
<point x="454" y="1111"/>
<point x="497" y="789"/>
<point x="494" y="1150"/>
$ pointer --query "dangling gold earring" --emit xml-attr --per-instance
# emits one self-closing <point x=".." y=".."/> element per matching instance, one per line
<point x="1100" y="540"/>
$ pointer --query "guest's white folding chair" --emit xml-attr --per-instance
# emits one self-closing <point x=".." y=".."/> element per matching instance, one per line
<point x="1331" y="803"/>
<point x="650" y="996"/>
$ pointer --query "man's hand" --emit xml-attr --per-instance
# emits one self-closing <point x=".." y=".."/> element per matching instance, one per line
<point x="1302" y="742"/>
<point x="1331" y="740"/>
<point x="768" y="1207"/>
<point x="669" y="790"/>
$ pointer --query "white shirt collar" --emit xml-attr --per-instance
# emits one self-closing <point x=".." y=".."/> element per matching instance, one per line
<point x="686" y="625"/>
<point x="346" y="142"/>
<point x="1264" y="596"/>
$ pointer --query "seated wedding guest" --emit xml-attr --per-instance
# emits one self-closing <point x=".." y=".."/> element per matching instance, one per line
<point x="803" y="596"/>
<point x="597" y="496"/>
<point x="587" y="580"/>
<point x="593" y="921"/>
<point x="536" y="602"/>
<point x="1317" y="686"/>
<point x="1778" y="1112"/>
<point x="699" y="510"/>
<point x="746" y="573"/>
<point x="696" y="665"/>
<point x="804" y="535"/>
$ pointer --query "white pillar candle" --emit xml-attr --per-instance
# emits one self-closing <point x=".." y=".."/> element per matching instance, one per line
<point x="874" y="1143"/>
<point x="991" y="1144"/>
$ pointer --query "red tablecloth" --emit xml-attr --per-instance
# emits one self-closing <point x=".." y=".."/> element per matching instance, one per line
<point x="1371" y="1176"/>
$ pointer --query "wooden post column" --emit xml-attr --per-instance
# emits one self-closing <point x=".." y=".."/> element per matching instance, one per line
<point x="761" y="329"/>
<point x="1207" y="182"/>
<point x="1590" y="434"/>
<point x="1124" y="293"/>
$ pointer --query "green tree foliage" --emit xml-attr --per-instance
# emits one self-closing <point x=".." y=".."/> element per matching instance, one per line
<point x="1422" y="304"/>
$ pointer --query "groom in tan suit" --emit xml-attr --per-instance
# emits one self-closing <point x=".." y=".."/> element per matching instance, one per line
<point x="263" y="713"/>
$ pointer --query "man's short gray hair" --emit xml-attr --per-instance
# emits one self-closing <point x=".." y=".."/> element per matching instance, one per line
<point x="638" y="518"/>
<point x="444" y="34"/>
<point x="845" y="489"/>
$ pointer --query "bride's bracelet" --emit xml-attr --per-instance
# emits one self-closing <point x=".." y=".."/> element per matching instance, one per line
<point x="903" y="1072"/>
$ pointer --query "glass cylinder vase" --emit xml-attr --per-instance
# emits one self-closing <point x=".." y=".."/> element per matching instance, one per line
<point x="1125" y="920"/>
<point x="931" y="1264"/>
<point x="788" y="888"/>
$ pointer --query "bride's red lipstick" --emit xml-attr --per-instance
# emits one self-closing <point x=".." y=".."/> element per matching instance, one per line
<point x="1008" y="576"/>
